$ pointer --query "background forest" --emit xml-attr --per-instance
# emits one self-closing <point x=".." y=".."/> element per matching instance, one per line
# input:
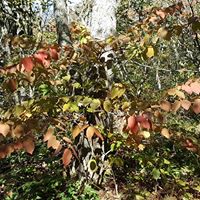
<point x="99" y="99"/>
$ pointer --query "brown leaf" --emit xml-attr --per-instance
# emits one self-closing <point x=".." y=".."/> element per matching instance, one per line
<point x="67" y="156"/>
<point x="18" y="131"/>
<point x="98" y="134"/>
<point x="186" y="104"/>
<point x="196" y="106"/>
<point x="18" y="145"/>
<point x="4" y="129"/>
<point x="48" y="134"/>
<point x="165" y="105"/>
<point x="165" y="133"/>
<point x="78" y="129"/>
<point x="53" y="142"/>
<point x="12" y="84"/>
<point x="90" y="132"/>
<point x="29" y="145"/>
<point x="176" y="105"/>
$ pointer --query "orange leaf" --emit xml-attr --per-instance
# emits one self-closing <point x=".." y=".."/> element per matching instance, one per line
<point x="28" y="64"/>
<point x="4" y="129"/>
<point x="48" y="134"/>
<point x="78" y="129"/>
<point x="176" y="105"/>
<point x="66" y="139"/>
<point x="67" y="156"/>
<point x="196" y="106"/>
<point x="186" y="104"/>
<point x="165" y="133"/>
<point x="29" y="145"/>
<point x="166" y="106"/>
<point x="90" y="132"/>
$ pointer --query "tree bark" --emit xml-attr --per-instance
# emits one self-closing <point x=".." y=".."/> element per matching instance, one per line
<point x="61" y="18"/>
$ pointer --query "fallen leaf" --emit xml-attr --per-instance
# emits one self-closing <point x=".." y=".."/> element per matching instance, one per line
<point x="165" y="105"/>
<point x="165" y="133"/>
<point x="186" y="104"/>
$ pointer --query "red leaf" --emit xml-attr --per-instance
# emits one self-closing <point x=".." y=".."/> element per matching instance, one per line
<point x="135" y="129"/>
<point x="27" y="63"/>
<point x="53" y="53"/>
<point x="131" y="122"/>
<point x="146" y="124"/>
<point x="42" y="57"/>
<point x="67" y="156"/>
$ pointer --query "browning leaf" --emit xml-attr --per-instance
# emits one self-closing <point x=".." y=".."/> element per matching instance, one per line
<point x="165" y="133"/>
<point x="165" y="105"/>
<point x="78" y="129"/>
<point x="196" y="106"/>
<point x="28" y="145"/>
<point x="67" y="156"/>
<point x="186" y="104"/>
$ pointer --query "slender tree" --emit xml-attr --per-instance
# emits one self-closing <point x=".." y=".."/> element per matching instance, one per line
<point x="61" y="18"/>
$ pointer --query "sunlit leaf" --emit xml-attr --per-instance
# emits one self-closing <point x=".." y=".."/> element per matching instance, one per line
<point x="78" y="129"/>
<point x="90" y="132"/>
<point x="165" y="133"/>
<point x="186" y="104"/>
<point x="4" y="129"/>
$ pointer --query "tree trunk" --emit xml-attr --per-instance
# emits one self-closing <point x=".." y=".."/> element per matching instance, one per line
<point x="99" y="16"/>
<point x="103" y="19"/>
<point x="61" y="17"/>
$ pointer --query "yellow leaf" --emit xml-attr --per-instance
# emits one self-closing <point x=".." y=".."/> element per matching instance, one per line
<point x="150" y="52"/>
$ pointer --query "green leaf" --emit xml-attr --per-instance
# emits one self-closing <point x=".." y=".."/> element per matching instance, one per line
<point x="156" y="173"/>
<point x="107" y="105"/>
<point x="117" y="91"/>
<point x="94" y="104"/>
